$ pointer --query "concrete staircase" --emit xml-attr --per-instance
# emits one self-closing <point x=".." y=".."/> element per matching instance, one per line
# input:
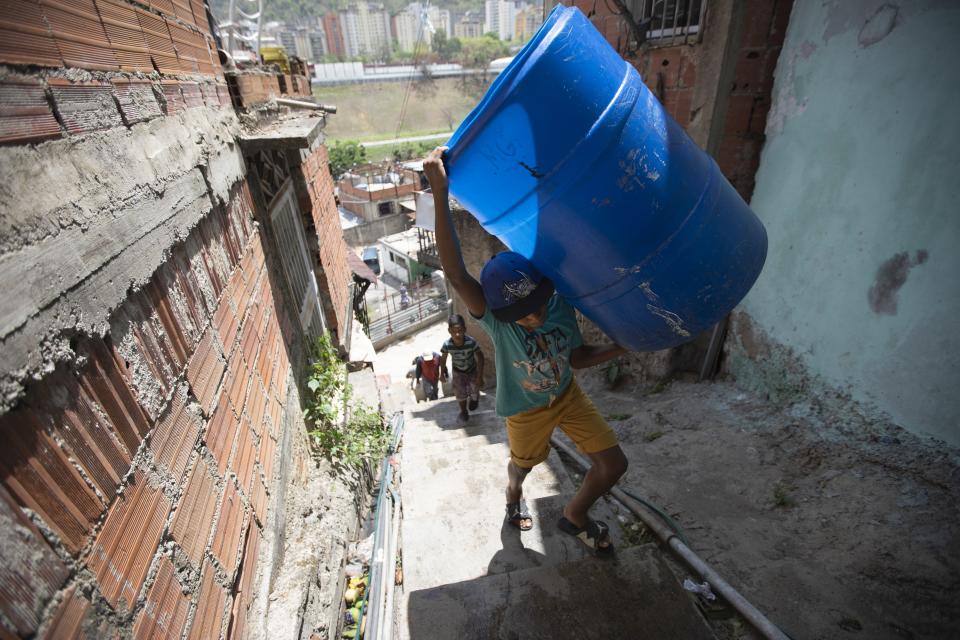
<point x="469" y="575"/>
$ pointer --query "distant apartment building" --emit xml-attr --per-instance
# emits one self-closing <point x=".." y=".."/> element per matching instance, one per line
<point x="418" y="23"/>
<point x="441" y="19"/>
<point x="528" y="20"/>
<point x="287" y="41"/>
<point x="309" y="43"/>
<point x="366" y="30"/>
<point x="500" y="18"/>
<point x="331" y="27"/>
<point x="304" y="47"/>
<point x="318" y="43"/>
<point x="408" y="31"/>
<point x="470" y="25"/>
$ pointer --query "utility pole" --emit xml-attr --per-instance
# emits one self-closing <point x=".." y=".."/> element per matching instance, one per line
<point x="259" y="28"/>
<point x="230" y="17"/>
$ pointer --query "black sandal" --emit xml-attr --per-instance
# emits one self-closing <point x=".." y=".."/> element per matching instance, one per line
<point x="591" y="535"/>
<point x="517" y="512"/>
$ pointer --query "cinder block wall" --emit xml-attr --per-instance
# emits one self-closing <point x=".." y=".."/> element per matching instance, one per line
<point x="145" y="346"/>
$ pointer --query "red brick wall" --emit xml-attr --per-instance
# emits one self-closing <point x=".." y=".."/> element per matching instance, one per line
<point x="118" y="37"/>
<point x="335" y="277"/>
<point x="761" y="38"/>
<point x="157" y="452"/>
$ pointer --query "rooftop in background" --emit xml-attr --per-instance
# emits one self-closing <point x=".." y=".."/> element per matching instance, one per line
<point x="348" y="220"/>
<point x="378" y="176"/>
<point x="406" y="242"/>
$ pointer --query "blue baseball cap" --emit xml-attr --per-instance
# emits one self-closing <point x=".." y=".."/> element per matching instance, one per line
<point x="513" y="287"/>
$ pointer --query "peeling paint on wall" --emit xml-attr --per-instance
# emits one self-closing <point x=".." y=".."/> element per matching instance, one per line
<point x="856" y="188"/>
<point x="879" y="25"/>
<point x="891" y="275"/>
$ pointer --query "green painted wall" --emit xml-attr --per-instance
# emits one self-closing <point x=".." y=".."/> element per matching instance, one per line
<point x="859" y="188"/>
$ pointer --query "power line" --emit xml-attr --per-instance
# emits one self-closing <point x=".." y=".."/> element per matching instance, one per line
<point x="416" y="58"/>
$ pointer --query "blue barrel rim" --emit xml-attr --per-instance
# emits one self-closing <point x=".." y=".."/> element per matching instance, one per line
<point x="501" y="85"/>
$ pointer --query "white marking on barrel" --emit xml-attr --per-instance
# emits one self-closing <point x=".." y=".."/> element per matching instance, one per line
<point x="673" y="321"/>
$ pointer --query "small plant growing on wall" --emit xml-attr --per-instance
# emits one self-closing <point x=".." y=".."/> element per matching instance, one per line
<point x="345" y="431"/>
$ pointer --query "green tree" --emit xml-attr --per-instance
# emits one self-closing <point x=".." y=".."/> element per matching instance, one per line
<point x="345" y="154"/>
<point x="476" y="55"/>
<point x="446" y="48"/>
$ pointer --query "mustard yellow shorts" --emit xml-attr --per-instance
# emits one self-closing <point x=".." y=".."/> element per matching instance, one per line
<point x="529" y="432"/>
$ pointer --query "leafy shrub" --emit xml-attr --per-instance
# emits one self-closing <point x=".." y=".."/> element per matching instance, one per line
<point x="347" y="443"/>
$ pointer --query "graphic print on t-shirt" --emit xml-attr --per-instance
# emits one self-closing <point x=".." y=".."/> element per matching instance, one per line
<point x="546" y="360"/>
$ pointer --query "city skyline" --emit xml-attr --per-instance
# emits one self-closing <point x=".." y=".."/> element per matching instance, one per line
<point x="370" y="31"/>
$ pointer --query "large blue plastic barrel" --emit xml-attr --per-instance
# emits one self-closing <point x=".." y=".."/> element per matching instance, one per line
<point x="572" y="162"/>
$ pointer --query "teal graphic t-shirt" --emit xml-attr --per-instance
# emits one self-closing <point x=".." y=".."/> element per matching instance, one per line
<point x="533" y="367"/>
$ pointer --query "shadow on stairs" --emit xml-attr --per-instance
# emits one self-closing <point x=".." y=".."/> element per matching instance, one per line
<point x="469" y="575"/>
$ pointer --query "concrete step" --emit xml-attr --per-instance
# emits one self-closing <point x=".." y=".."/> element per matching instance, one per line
<point x="429" y="448"/>
<point x="470" y="449"/>
<point x="444" y="548"/>
<point x="419" y="431"/>
<point x="632" y="595"/>
<point x="394" y="396"/>
<point x="457" y="485"/>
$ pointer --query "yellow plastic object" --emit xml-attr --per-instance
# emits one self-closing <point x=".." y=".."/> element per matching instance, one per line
<point x="276" y="55"/>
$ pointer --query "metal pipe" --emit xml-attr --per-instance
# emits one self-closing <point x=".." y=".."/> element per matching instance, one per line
<point x="721" y="586"/>
<point x="374" y="604"/>
<point x="302" y="104"/>
<point x="386" y="629"/>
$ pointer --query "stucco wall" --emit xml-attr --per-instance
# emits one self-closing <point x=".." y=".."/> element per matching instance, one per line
<point x="858" y="190"/>
<point x="366" y="234"/>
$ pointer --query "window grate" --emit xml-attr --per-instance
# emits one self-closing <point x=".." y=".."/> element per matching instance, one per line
<point x="295" y="258"/>
<point x="669" y="22"/>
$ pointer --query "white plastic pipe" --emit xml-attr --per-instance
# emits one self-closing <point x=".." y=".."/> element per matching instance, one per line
<point x="389" y="575"/>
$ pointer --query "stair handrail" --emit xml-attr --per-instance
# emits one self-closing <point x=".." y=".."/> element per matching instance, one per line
<point x="377" y="591"/>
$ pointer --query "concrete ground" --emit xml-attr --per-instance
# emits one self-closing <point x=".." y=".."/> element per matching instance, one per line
<point x="469" y="574"/>
<point x="832" y="524"/>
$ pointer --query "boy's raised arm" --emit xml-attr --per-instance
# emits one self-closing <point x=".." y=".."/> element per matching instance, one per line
<point x="448" y="246"/>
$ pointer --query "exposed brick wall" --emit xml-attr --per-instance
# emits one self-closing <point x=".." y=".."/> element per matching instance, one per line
<point x="119" y="37"/>
<point x="761" y="38"/>
<point x="334" y="278"/>
<point x="150" y="465"/>
<point x="252" y="87"/>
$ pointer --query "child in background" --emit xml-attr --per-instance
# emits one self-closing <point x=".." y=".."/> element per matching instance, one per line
<point x="429" y="371"/>
<point x="467" y="365"/>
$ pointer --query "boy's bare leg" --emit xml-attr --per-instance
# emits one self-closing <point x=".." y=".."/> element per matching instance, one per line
<point x="608" y="466"/>
<point x="515" y="477"/>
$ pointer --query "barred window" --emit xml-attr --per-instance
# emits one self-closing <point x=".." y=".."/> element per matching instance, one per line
<point x="669" y="22"/>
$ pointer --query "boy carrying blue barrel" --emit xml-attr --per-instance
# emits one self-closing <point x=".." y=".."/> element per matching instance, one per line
<point x="537" y="343"/>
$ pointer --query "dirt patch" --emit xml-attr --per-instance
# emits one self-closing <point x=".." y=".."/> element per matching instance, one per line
<point x="832" y="524"/>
